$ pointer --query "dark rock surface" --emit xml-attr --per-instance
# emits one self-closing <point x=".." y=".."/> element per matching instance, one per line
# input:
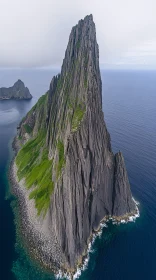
<point x="92" y="183"/>
<point x="122" y="202"/>
<point x="17" y="91"/>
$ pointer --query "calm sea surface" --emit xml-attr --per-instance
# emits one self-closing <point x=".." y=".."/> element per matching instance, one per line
<point x="125" y="252"/>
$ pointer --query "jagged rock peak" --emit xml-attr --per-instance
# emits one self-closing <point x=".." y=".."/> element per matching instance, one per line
<point x="17" y="91"/>
<point x="82" y="50"/>
<point x="19" y="84"/>
<point x="82" y="38"/>
<point x="122" y="202"/>
<point x="66" y="129"/>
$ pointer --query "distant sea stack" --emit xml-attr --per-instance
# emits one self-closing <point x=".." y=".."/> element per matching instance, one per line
<point x="65" y="174"/>
<point x="17" y="91"/>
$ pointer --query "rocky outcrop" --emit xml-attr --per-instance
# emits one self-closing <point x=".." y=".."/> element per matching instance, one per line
<point x="122" y="201"/>
<point x="88" y="182"/>
<point x="17" y="91"/>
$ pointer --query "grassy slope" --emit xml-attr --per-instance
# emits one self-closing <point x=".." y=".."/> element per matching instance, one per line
<point x="32" y="160"/>
<point x="34" y="165"/>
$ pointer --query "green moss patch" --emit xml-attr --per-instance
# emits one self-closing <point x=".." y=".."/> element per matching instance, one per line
<point x="33" y="165"/>
<point x="27" y="128"/>
<point x="42" y="100"/>
<point x="77" y="117"/>
<point x="61" y="160"/>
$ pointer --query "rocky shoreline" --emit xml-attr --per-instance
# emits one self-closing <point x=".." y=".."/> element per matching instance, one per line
<point x="41" y="246"/>
<point x="79" y="181"/>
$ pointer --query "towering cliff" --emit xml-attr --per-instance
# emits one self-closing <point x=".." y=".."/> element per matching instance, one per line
<point x="17" y="91"/>
<point x="66" y="164"/>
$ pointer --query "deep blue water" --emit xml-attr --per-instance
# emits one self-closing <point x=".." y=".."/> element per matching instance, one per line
<point x="125" y="251"/>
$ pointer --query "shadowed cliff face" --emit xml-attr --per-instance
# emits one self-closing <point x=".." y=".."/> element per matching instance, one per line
<point x="17" y="91"/>
<point x="89" y="182"/>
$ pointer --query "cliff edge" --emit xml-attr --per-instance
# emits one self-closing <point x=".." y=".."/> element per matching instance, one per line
<point x="65" y="170"/>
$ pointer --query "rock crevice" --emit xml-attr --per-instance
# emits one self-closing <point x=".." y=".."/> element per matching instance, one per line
<point x="89" y="181"/>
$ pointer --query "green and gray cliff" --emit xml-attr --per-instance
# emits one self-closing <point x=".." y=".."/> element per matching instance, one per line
<point x="66" y="159"/>
<point x="17" y="91"/>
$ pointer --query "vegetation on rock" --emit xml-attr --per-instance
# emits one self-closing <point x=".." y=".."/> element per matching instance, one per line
<point x="70" y="151"/>
<point x="61" y="158"/>
<point x="28" y="129"/>
<point x="77" y="117"/>
<point x="34" y="165"/>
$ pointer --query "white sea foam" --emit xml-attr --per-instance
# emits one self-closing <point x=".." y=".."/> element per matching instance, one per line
<point x="61" y="275"/>
<point x="84" y="266"/>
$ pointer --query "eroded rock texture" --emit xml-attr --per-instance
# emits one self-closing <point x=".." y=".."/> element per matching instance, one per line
<point x="89" y="181"/>
<point x="17" y="91"/>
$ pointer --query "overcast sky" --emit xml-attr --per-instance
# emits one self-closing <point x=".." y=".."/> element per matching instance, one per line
<point x="34" y="33"/>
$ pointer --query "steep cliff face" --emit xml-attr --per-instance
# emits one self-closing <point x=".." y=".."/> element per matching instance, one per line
<point x="17" y="91"/>
<point x="66" y="154"/>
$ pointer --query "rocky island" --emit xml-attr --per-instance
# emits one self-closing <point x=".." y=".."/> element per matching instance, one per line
<point x="17" y="91"/>
<point x="65" y="175"/>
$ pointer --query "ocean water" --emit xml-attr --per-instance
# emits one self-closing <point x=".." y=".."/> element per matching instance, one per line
<point x="127" y="251"/>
